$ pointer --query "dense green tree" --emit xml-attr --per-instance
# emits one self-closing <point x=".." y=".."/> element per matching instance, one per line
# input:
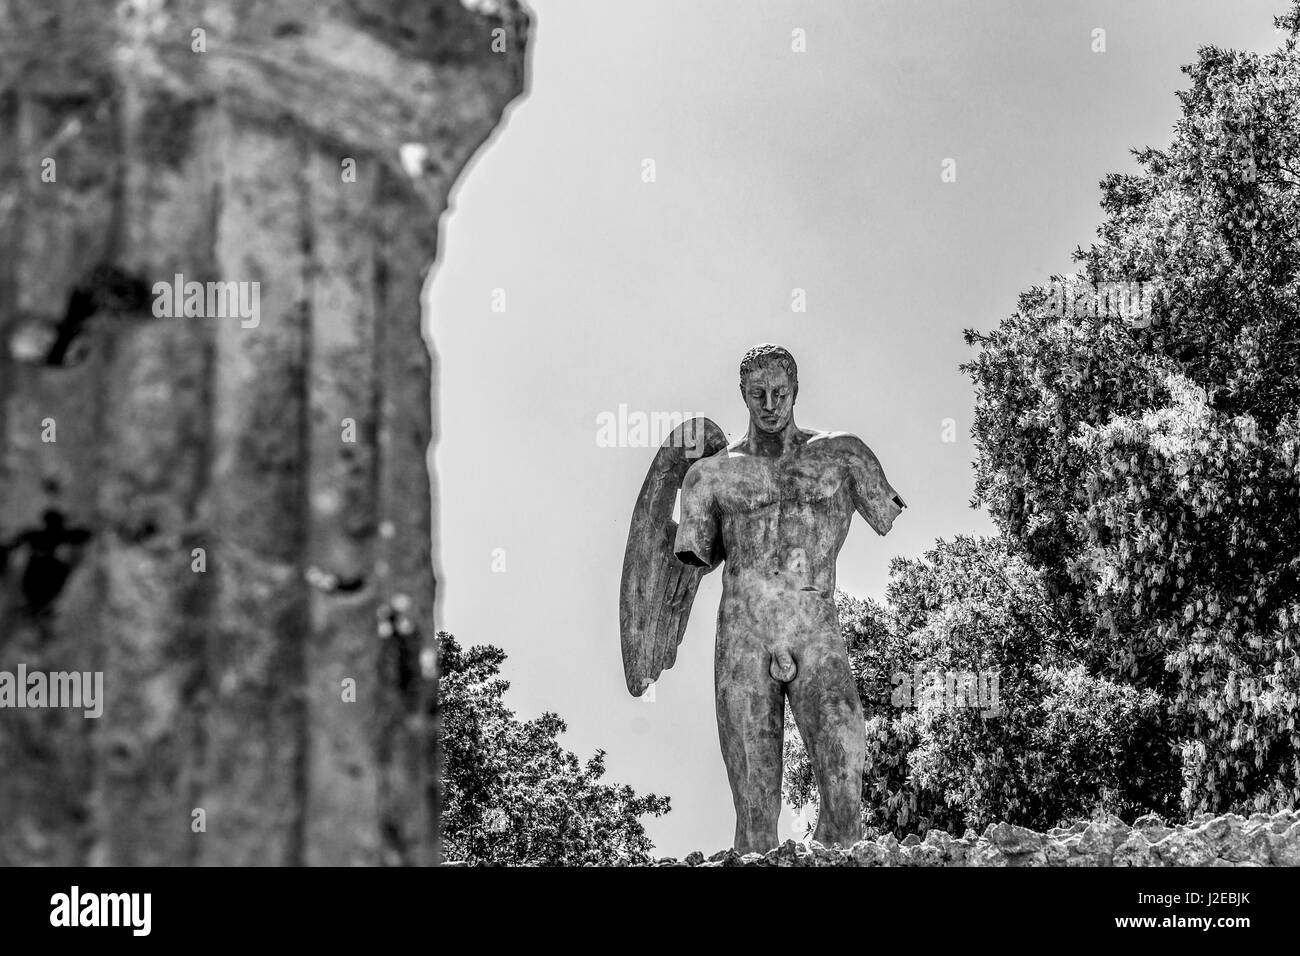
<point x="1060" y="744"/>
<point x="1151" y="469"/>
<point x="511" y="794"/>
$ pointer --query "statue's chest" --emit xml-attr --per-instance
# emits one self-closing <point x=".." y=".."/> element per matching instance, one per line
<point x="748" y="484"/>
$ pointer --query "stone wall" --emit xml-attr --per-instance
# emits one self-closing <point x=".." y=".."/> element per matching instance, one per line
<point x="1260" y="840"/>
<point x="309" y="148"/>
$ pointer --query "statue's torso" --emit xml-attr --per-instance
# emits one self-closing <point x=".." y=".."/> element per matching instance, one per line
<point x="782" y="521"/>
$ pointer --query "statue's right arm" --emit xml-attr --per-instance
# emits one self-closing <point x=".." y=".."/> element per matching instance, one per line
<point x="698" y="535"/>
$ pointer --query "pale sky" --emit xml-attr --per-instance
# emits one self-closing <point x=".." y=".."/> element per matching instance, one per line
<point x="775" y="170"/>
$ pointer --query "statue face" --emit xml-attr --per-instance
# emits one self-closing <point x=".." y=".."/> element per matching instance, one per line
<point x="769" y="393"/>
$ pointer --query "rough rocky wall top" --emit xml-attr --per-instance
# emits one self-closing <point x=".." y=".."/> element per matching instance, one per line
<point x="1231" y="840"/>
<point x="228" y="516"/>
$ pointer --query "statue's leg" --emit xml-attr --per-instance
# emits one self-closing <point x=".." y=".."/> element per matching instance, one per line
<point x="828" y="712"/>
<point x="751" y="715"/>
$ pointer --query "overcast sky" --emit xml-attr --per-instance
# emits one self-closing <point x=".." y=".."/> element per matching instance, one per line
<point x="774" y="171"/>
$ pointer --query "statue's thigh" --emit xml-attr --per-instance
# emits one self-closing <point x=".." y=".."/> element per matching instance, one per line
<point x="824" y="696"/>
<point x="750" y="704"/>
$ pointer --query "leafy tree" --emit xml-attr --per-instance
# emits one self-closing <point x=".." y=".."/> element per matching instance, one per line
<point x="1151" y="471"/>
<point x="511" y="794"/>
<point x="1063" y="743"/>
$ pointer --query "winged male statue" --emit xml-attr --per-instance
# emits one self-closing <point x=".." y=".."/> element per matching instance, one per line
<point x="775" y="508"/>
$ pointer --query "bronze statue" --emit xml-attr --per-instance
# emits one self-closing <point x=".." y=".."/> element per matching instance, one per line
<point x="776" y="507"/>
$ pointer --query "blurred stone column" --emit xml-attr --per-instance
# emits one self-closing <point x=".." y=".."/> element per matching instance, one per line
<point x="240" y="503"/>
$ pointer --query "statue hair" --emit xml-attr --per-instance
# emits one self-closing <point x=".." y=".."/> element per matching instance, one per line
<point x="766" y="354"/>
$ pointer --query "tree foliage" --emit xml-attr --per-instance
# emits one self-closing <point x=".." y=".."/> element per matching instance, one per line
<point x="1152" y="472"/>
<point x="1063" y="742"/>
<point x="511" y="794"/>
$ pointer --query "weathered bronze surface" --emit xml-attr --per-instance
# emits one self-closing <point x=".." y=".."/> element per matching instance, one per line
<point x="657" y="597"/>
<point x="775" y="506"/>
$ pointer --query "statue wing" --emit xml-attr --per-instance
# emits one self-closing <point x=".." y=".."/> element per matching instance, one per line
<point x="658" y="589"/>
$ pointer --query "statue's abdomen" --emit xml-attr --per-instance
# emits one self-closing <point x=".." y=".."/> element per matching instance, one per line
<point x="779" y="575"/>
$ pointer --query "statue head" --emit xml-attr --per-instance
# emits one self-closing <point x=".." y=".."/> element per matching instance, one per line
<point x="769" y="384"/>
